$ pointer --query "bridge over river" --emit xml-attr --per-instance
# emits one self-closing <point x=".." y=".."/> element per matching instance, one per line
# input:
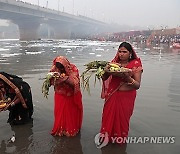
<point x="29" y="17"/>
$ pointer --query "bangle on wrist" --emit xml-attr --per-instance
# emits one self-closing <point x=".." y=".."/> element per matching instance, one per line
<point x="13" y="104"/>
<point x="132" y="82"/>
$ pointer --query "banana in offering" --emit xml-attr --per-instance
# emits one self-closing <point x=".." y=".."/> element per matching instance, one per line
<point x="116" y="68"/>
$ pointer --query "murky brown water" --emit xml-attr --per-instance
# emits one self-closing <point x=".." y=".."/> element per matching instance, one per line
<point x="157" y="108"/>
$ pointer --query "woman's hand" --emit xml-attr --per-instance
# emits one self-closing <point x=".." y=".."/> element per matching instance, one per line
<point x="118" y="74"/>
<point x="106" y="74"/>
<point x="8" y="104"/>
<point x="63" y="78"/>
<point x="123" y="75"/>
<point x="60" y="79"/>
<point x="127" y="74"/>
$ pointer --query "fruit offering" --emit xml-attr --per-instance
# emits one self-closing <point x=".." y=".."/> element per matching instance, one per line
<point x="2" y="105"/>
<point x="116" y="68"/>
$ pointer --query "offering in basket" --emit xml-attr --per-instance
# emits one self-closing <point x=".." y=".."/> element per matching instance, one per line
<point x="4" y="104"/>
<point x="112" y="67"/>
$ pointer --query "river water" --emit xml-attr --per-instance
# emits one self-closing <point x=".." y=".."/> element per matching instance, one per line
<point x="157" y="107"/>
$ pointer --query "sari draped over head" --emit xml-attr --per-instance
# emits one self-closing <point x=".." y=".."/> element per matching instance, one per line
<point x="113" y="83"/>
<point x="68" y="109"/>
<point x="22" y="90"/>
<point x="119" y="105"/>
<point x="71" y="71"/>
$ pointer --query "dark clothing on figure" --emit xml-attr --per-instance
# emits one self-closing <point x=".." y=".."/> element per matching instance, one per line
<point x="19" y="110"/>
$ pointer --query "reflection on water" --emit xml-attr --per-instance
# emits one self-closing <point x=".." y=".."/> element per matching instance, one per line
<point x="67" y="145"/>
<point x="174" y="90"/>
<point x="114" y="149"/>
<point x="157" y="107"/>
<point x="23" y="135"/>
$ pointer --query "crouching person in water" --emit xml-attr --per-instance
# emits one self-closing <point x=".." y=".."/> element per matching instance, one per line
<point x="17" y="95"/>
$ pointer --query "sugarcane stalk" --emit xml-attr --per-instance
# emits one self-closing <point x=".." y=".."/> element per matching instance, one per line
<point x="94" y="67"/>
<point x="46" y="84"/>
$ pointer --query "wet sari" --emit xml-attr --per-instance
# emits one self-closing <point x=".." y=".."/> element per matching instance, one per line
<point x="68" y="110"/>
<point x="119" y="105"/>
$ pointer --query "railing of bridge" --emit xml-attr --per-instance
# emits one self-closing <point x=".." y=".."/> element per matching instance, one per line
<point x="23" y="4"/>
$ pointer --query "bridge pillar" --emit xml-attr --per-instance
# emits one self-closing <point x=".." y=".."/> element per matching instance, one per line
<point x="61" y="30"/>
<point x="28" y="30"/>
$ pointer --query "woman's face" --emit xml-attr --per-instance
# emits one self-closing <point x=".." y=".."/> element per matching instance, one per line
<point x="124" y="54"/>
<point x="60" y="68"/>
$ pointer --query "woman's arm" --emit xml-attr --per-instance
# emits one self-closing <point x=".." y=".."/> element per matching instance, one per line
<point x="66" y="79"/>
<point x="70" y="82"/>
<point x="60" y="80"/>
<point x="135" y="80"/>
<point x="12" y="103"/>
<point x="15" y="101"/>
<point x="105" y="76"/>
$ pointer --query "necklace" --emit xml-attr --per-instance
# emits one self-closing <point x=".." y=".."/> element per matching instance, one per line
<point x="124" y="64"/>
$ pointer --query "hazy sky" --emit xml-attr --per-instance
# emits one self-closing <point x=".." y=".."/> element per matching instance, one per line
<point x="152" y="13"/>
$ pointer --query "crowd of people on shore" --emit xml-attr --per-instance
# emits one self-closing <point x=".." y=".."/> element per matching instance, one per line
<point x="141" y="37"/>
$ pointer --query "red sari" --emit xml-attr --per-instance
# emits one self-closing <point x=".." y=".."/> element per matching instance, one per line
<point x="119" y="105"/>
<point x="68" y="109"/>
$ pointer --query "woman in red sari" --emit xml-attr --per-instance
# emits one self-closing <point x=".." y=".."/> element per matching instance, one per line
<point x="68" y="110"/>
<point x="119" y="92"/>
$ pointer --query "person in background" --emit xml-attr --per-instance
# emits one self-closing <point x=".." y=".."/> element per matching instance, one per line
<point x="119" y="92"/>
<point x="68" y="110"/>
<point x="16" y="93"/>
